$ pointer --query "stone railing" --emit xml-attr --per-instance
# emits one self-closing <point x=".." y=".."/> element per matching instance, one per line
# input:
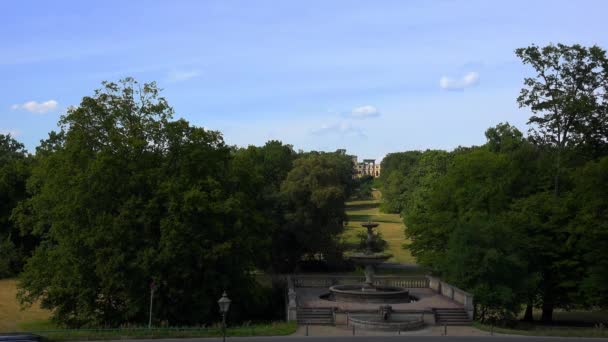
<point x="436" y="284"/>
<point x="454" y="293"/>
<point x="291" y="300"/>
<point x="330" y="280"/>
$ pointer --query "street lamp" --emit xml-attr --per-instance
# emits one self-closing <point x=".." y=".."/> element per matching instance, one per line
<point x="224" y="304"/>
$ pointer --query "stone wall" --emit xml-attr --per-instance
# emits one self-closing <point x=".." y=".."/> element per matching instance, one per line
<point x="454" y="293"/>
<point x="436" y="284"/>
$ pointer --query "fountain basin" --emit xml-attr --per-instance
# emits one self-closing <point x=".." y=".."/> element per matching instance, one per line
<point x="368" y="259"/>
<point x="376" y="294"/>
<point x="395" y="323"/>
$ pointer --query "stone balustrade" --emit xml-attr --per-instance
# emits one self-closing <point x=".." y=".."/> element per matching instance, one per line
<point x="331" y="280"/>
<point x="436" y="284"/>
<point x="454" y="293"/>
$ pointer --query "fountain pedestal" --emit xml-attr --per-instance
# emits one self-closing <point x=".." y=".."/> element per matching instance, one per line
<point x="368" y="292"/>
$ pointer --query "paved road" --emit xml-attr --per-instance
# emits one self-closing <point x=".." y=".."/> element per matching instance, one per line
<point x="407" y="338"/>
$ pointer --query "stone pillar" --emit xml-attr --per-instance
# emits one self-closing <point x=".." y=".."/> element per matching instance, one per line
<point x="370" y="239"/>
<point x="369" y="275"/>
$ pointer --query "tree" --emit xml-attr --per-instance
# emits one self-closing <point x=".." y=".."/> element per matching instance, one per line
<point x="461" y="226"/>
<point x="364" y="187"/>
<point x="314" y="193"/>
<point x="123" y="196"/>
<point x="14" y="170"/>
<point x="568" y="97"/>
<point x="589" y="229"/>
<point x="264" y="169"/>
<point x="482" y="257"/>
<point x="396" y="168"/>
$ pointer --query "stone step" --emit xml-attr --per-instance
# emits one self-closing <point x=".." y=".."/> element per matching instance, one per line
<point x="452" y="316"/>
<point x="459" y="318"/>
<point x="315" y="309"/>
<point x="450" y="310"/>
<point x="315" y="322"/>
<point x="455" y="314"/>
<point x="315" y="313"/>
<point x="455" y="323"/>
<point x="321" y="316"/>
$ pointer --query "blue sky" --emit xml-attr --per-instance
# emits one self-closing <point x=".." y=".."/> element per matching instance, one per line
<point x="370" y="76"/>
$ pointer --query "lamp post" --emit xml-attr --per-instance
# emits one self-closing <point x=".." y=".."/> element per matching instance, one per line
<point x="152" y="289"/>
<point x="224" y="304"/>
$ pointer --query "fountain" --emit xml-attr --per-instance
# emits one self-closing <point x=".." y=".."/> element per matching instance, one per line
<point x="387" y="320"/>
<point x="368" y="292"/>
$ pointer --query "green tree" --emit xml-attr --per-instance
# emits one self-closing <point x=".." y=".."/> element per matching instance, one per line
<point x="567" y="97"/>
<point x="542" y="220"/>
<point x="314" y="193"/>
<point x="482" y="257"/>
<point x="459" y="222"/>
<point x="589" y="229"/>
<point x="396" y="169"/>
<point x="264" y="169"/>
<point x="14" y="170"/>
<point x="123" y="196"/>
<point x="364" y="187"/>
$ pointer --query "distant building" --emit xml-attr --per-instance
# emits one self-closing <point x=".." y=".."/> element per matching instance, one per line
<point x="367" y="167"/>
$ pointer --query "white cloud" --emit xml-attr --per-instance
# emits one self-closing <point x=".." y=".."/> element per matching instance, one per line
<point x="468" y="80"/>
<point x="182" y="75"/>
<point x="36" y="107"/>
<point x="12" y="132"/>
<point x="364" y="112"/>
<point x="339" y="128"/>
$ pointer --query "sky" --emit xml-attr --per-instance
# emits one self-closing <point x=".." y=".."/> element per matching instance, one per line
<point x="372" y="77"/>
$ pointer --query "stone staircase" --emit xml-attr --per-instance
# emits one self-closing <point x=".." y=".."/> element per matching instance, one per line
<point x="452" y="317"/>
<point x="321" y="316"/>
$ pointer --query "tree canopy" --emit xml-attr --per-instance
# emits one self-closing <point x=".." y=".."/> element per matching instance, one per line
<point x="123" y="196"/>
<point x="520" y="221"/>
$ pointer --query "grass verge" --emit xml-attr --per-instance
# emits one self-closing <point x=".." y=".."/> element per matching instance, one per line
<point x="391" y="226"/>
<point x="543" y="330"/>
<point x="11" y="314"/>
<point x="271" y="329"/>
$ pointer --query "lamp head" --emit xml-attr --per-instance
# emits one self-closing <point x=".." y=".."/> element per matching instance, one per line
<point x="224" y="303"/>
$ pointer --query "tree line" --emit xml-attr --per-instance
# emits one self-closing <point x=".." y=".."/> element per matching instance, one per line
<point x="521" y="221"/>
<point x="122" y="196"/>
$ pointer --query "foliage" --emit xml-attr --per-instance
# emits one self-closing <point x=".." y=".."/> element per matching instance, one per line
<point x="14" y="170"/>
<point x="396" y="168"/>
<point x="568" y="95"/>
<point x="589" y="228"/>
<point x="264" y="169"/>
<point x="314" y="193"/>
<point x="363" y="187"/>
<point x="123" y="196"/>
<point x="459" y="224"/>
<point x="378" y="244"/>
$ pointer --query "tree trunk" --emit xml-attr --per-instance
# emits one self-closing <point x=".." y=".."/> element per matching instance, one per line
<point x="547" y="315"/>
<point x="528" y="315"/>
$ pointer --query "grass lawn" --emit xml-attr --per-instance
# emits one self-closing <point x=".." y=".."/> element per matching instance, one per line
<point x="36" y="320"/>
<point x="391" y="226"/>
<point x="12" y="318"/>
<point x="573" y="323"/>
<point x="270" y="329"/>
<point x="543" y="330"/>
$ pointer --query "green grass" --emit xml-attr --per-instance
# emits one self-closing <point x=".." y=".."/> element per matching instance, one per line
<point x="12" y="318"/>
<point x="576" y="316"/>
<point x="36" y="320"/>
<point x="391" y="227"/>
<point x="542" y="330"/>
<point x="271" y="329"/>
